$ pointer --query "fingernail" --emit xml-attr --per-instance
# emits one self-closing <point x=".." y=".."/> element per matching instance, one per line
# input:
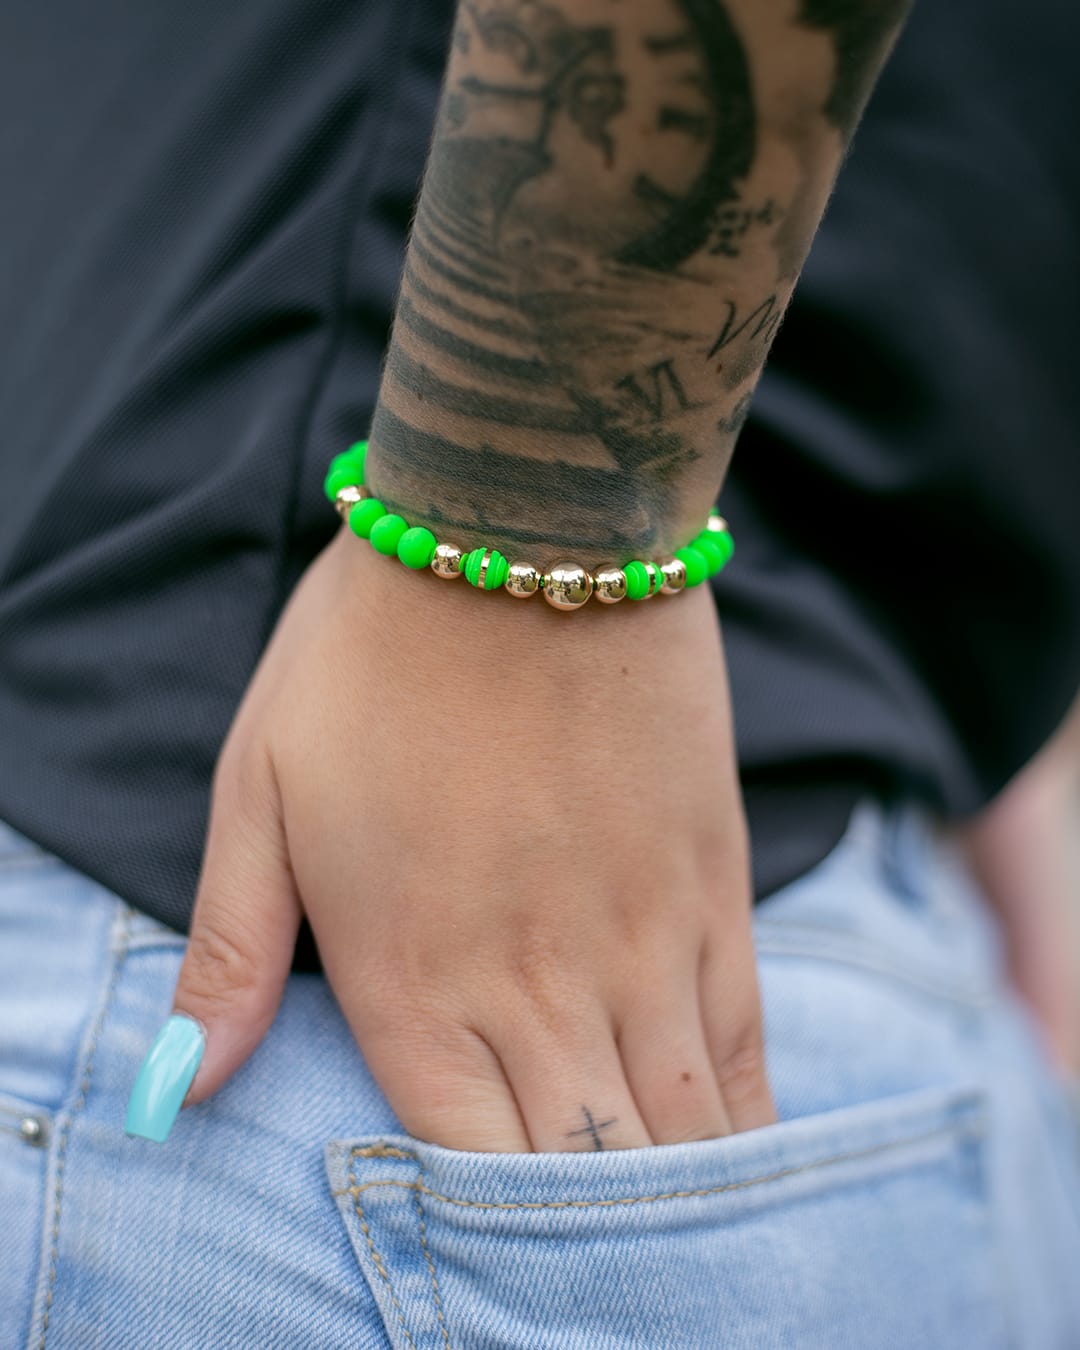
<point x="164" y="1078"/>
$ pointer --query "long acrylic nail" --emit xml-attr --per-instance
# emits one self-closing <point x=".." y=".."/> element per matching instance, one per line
<point x="164" y="1078"/>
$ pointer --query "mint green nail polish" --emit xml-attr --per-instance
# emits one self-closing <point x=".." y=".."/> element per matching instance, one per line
<point x="164" y="1078"/>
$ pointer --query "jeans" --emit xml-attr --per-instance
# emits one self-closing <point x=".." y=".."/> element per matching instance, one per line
<point x="922" y="1188"/>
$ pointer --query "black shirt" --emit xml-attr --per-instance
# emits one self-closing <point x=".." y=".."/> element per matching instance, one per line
<point x="205" y="211"/>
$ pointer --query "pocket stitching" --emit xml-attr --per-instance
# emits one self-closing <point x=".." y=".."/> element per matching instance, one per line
<point x="354" y="1190"/>
<point x="434" y="1277"/>
<point x="420" y="1186"/>
<point x="960" y="1127"/>
<point x="390" y="1151"/>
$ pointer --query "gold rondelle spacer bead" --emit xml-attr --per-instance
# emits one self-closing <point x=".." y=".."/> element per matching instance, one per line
<point x="348" y="497"/>
<point x="447" y="561"/>
<point x="522" y="580"/>
<point x="609" y="584"/>
<point x="674" y="570"/>
<point x="655" y="575"/>
<point x="567" y="585"/>
<point x="717" y="524"/>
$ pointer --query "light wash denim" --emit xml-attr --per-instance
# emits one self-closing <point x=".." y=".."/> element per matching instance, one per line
<point x="922" y="1189"/>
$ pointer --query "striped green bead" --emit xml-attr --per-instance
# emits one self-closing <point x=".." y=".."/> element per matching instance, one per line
<point x="697" y="569"/>
<point x="642" y="579"/>
<point x="470" y="565"/>
<point x="386" y="532"/>
<point x="416" y="547"/>
<point x="364" y="515"/>
<point x="638" y="580"/>
<point x="495" y="574"/>
<point x="498" y="569"/>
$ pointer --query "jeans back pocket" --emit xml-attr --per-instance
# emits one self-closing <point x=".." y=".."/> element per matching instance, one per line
<point x="862" y="1226"/>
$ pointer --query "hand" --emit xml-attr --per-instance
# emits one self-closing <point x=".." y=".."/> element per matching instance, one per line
<point x="518" y="838"/>
<point x="1022" y="850"/>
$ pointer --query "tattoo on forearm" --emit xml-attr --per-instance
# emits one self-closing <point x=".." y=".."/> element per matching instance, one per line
<point x="592" y="1128"/>
<point x="655" y="389"/>
<point x="760" y="323"/>
<point x="577" y="335"/>
<point x="732" y="423"/>
<point x="861" y="30"/>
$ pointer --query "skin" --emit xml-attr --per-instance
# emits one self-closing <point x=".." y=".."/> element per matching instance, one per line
<point x="517" y="834"/>
<point x="1023" y="851"/>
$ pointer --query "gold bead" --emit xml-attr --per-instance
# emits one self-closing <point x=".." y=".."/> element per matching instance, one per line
<point x="674" y="570"/>
<point x="347" y="498"/>
<point x="717" y="524"/>
<point x="567" y="585"/>
<point x="447" y="561"/>
<point x="609" y="584"/>
<point x="522" y="580"/>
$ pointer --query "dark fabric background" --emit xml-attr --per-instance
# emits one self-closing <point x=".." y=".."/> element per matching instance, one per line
<point x="906" y="498"/>
<point x="204" y="215"/>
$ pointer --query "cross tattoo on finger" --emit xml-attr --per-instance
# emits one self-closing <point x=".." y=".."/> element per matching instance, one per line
<point x="592" y="1128"/>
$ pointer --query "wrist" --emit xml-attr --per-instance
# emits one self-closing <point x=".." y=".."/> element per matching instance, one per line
<point x="530" y="501"/>
<point x="566" y="584"/>
<point x="422" y="612"/>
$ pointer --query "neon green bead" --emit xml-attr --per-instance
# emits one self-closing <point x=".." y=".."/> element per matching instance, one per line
<point x="340" y="475"/>
<point x="638" y="580"/>
<point x="727" y="544"/>
<point x="710" y="550"/>
<point x="498" y="569"/>
<point x="345" y="469"/>
<point x="357" y="455"/>
<point x="386" y="532"/>
<point x="364" y="515"/>
<point x="470" y="565"/>
<point x="697" y="569"/>
<point x="416" y="547"/>
<point x="656" y="577"/>
<point x="717" y="546"/>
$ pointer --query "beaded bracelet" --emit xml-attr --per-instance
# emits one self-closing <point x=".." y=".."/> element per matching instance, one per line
<point x="565" y="585"/>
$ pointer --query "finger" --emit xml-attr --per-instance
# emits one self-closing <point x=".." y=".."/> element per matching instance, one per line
<point x="245" y="921"/>
<point x="731" y="1016"/>
<point x="571" y="1087"/>
<point x="446" y="1085"/>
<point x="668" y="1067"/>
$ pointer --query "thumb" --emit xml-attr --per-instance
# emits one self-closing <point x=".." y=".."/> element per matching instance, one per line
<point x="243" y="933"/>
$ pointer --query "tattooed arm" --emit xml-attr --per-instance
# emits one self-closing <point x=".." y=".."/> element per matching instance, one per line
<point x="619" y="199"/>
<point x="518" y="837"/>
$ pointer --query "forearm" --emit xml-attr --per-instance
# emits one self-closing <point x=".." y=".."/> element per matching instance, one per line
<point x="620" y="196"/>
<point x="1022" y="849"/>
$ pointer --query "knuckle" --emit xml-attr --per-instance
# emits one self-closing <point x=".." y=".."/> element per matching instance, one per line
<point x="535" y="977"/>
<point x="741" y="1070"/>
<point x="542" y="1002"/>
<point x="243" y="776"/>
<point x="219" y="970"/>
